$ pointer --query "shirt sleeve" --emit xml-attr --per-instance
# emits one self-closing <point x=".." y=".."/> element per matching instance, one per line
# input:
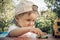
<point x="12" y="28"/>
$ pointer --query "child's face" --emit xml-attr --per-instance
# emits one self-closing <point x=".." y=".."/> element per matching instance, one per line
<point x="27" y="20"/>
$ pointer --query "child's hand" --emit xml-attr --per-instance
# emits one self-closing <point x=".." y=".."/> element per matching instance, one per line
<point x="37" y="31"/>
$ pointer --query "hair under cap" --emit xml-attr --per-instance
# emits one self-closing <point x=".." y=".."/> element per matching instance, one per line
<point x="25" y="6"/>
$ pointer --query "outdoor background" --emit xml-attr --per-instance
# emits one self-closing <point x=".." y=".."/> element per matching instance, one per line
<point x="48" y="9"/>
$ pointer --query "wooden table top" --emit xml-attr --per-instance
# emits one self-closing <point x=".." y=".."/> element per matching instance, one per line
<point x="50" y="37"/>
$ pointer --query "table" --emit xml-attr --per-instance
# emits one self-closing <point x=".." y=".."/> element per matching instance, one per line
<point x="50" y="37"/>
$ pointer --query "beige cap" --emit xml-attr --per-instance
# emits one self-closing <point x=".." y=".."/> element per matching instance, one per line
<point x="25" y="6"/>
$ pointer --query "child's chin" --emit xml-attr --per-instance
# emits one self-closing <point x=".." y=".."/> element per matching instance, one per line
<point x="29" y="34"/>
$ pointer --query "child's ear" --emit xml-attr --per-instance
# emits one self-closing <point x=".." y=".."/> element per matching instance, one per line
<point x="16" y="18"/>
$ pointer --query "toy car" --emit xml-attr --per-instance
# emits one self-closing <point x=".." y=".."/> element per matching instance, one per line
<point x="43" y="37"/>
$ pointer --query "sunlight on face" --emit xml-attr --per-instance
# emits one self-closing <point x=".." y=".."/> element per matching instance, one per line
<point x="27" y="20"/>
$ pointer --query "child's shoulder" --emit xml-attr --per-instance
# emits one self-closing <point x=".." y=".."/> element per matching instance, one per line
<point x="12" y="27"/>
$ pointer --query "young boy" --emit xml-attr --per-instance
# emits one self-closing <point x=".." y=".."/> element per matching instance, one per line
<point x="25" y="15"/>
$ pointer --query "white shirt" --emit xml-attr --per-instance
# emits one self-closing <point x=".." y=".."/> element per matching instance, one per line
<point x="12" y="27"/>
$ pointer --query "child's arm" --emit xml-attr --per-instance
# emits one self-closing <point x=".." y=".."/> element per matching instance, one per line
<point x="21" y="31"/>
<point x="18" y="32"/>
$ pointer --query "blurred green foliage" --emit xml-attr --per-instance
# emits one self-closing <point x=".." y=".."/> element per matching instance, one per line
<point x="46" y="23"/>
<point x="6" y="13"/>
<point x="54" y="5"/>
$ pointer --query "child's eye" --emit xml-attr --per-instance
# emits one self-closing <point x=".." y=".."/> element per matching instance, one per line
<point x="28" y="20"/>
<point x="33" y="20"/>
